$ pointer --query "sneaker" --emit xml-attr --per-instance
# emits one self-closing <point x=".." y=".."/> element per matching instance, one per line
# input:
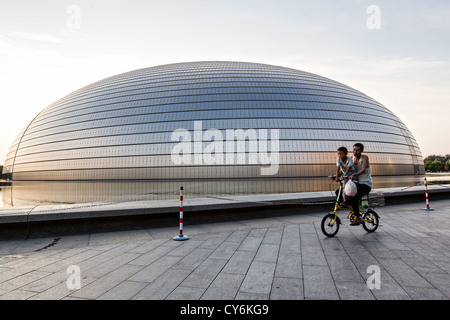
<point x="357" y="222"/>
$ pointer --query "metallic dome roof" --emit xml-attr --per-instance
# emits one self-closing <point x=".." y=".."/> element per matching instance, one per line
<point x="126" y="128"/>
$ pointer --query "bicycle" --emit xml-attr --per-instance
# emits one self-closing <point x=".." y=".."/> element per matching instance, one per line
<point x="330" y="222"/>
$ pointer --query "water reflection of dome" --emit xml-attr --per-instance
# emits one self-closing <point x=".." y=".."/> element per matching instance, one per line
<point x="115" y="139"/>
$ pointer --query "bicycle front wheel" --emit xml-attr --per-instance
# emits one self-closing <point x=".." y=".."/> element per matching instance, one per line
<point x="370" y="221"/>
<point x="330" y="225"/>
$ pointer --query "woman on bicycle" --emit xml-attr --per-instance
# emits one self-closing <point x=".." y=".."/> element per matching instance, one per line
<point x="362" y="165"/>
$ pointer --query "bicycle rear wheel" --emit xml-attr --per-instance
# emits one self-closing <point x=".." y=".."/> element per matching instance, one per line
<point x="330" y="225"/>
<point x="370" y="221"/>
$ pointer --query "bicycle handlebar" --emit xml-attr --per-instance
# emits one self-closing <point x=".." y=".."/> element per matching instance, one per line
<point x="333" y="177"/>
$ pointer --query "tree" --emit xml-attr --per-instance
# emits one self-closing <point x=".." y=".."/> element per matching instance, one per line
<point x="437" y="163"/>
<point x="435" y="166"/>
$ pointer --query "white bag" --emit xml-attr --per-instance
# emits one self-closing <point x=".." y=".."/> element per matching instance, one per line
<point x="350" y="188"/>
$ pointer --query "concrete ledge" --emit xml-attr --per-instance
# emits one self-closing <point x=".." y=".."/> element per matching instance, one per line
<point x="43" y="213"/>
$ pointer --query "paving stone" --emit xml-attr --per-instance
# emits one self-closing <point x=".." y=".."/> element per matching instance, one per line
<point x="273" y="236"/>
<point x="60" y="291"/>
<point x="354" y="291"/>
<point x="238" y="236"/>
<point x="162" y="286"/>
<point x="185" y="247"/>
<point x="153" y="255"/>
<point x="224" y="287"/>
<point x="309" y="239"/>
<point x="239" y="262"/>
<point x="251" y="243"/>
<point x="106" y="267"/>
<point x="204" y="274"/>
<point x="47" y="282"/>
<point x="186" y="293"/>
<point x="390" y="290"/>
<point x="193" y="259"/>
<point x="118" y="237"/>
<point x="252" y="296"/>
<point x="102" y="285"/>
<point x="215" y="240"/>
<point x="267" y="253"/>
<point x="362" y="258"/>
<point x="307" y="228"/>
<point x="17" y="294"/>
<point x="21" y="280"/>
<point x="289" y="265"/>
<point x="419" y="293"/>
<point x="281" y="258"/>
<point x="257" y="232"/>
<point x="440" y="281"/>
<point x="76" y="259"/>
<point x="403" y="274"/>
<point x="155" y="269"/>
<point x="148" y="245"/>
<point x="287" y="289"/>
<point x="343" y="269"/>
<point x="313" y="255"/>
<point x="123" y="291"/>
<point x="259" y="278"/>
<point x="225" y="250"/>
<point x="319" y="283"/>
<point x="290" y="241"/>
<point x="332" y="246"/>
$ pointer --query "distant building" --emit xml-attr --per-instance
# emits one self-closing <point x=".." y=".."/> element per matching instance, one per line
<point x="213" y="127"/>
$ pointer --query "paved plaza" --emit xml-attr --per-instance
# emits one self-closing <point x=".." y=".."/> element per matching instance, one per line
<point x="282" y="257"/>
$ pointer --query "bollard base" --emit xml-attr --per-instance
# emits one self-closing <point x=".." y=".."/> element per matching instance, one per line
<point x="181" y="237"/>
<point x="428" y="209"/>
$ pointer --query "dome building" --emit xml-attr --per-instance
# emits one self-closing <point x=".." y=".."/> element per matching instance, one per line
<point x="215" y="128"/>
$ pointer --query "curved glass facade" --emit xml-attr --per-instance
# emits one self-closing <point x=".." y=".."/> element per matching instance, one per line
<point x="213" y="127"/>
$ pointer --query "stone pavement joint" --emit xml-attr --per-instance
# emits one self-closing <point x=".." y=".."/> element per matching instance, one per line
<point x="283" y="257"/>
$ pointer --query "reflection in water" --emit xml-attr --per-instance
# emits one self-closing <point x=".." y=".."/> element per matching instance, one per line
<point x="58" y="192"/>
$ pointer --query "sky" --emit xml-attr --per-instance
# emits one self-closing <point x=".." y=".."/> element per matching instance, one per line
<point x="397" y="52"/>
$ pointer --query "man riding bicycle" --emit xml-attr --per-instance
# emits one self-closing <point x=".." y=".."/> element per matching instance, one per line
<point x="362" y="166"/>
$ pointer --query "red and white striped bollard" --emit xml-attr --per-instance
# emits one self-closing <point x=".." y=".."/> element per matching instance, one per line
<point x="426" y="197"/>
<point x="181" y="236"/>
